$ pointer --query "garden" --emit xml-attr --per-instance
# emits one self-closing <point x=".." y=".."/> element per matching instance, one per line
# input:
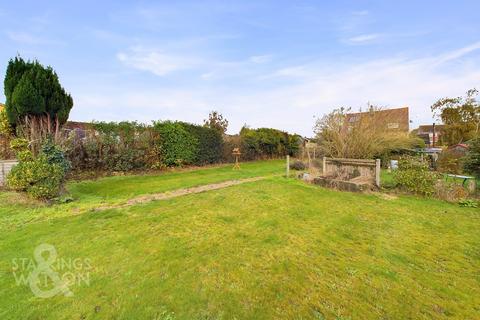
<point x="272" y="248"/>
<point x="129" y="220"/>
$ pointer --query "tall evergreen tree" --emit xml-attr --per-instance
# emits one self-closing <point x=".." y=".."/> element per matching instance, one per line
<point x="36" y="103"/>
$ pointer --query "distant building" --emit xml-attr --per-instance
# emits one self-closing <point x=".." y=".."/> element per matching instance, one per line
<point x="393" y="119"/>
<point x="429" y="135"/>
<point x="460" y="148"/>
<point x="80" y="128"/>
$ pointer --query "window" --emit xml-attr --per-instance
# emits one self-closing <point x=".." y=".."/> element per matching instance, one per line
<point x="392" y="125"/>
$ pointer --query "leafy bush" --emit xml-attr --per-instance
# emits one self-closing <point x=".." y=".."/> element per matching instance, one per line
<point x="450" y="191"/>
<point x="414" y="176"/>
<point x="468" y="203"/>
<point x="41" y="177"/>
<point x="210" y="143"/>
<point x="472" y="160"/>
<point x="55" y="155"/>
<point x="450" y="161"/>
<point x="177" y="145"/>
<point x="298" y="165"/>
<point x="268" y="143"/>
<point x="5" y="135"/>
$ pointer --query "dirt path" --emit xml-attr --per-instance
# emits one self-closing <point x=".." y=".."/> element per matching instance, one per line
<point x="178" y="193"/>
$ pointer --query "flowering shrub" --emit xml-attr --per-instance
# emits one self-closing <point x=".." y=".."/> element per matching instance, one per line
<point x="414" y="175"/>
<point x="41" y="177"/>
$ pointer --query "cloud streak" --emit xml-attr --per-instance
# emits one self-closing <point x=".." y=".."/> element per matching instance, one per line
<point x="155" y="61"/>
<point x="308" y="90"/>
<point x="364" y="38"/>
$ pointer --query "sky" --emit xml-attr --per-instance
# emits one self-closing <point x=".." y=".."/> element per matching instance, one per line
<point x="279" y="64"/>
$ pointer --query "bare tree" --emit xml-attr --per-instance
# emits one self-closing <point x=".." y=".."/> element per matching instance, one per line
<point x="366" y="137"/>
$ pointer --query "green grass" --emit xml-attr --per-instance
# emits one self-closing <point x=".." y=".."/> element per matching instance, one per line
<point x="386" y="179"/>
<point x="271" y="249"/>
<point x="113" y="190"/>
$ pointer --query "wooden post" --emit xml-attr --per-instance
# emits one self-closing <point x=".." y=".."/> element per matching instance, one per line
<point x="377" y="172"/>
<point x="324" y="166"/>
<point x="288" y="166"/>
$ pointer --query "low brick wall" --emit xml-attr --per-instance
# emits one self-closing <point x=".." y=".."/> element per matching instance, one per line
<point x="5" y="167"/>
<point x="342" y="169"/>
<point x="343" y="185"/>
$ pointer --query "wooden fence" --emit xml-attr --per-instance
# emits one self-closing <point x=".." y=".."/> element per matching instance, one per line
<point x="5" y="167"/>
<point x="365" y="170"/>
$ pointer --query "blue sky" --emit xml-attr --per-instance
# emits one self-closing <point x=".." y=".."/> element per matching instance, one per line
<point x="264" y="63"/>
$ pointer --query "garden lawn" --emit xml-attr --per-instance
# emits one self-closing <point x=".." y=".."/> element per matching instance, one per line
<point x="15" y="210"/>
<point x="270" y="249"/>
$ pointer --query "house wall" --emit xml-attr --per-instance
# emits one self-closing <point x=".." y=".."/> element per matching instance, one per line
<point x="5" y="167"/>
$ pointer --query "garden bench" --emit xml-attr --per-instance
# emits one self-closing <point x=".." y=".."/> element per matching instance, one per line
<point x="468" y="181"/>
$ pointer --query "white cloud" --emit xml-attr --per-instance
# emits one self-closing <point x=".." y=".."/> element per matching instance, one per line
<point x="30" y="38"/>
<point x="363" y="38"/>
<point x="261" y="59"/>
<point x="305" y="91"/>
<point x="455" y="54"/>
<point x="154" y="61"/>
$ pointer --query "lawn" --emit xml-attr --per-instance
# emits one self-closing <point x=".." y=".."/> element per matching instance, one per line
<point x="270" y="249"/>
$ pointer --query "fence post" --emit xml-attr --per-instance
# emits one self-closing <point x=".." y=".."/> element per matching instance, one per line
<point x="324" y="166"/>
<point x="377" y="172"/>
<point x="288" y="166"/>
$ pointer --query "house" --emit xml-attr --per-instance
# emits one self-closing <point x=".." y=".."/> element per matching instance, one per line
<point x="431" y="134"/>
<point x="393" y="119"/>
<point x="80" y="128"/>
<point x="460" y="148"/>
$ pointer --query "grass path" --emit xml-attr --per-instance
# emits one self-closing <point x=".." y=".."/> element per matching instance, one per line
<point x="179" y="192"/>
<point x="16" y="210"/>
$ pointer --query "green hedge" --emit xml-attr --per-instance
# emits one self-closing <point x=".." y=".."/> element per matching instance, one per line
<point x="268" y="143"/>
<point x="125" y="146"/>
<point x="178" y="146"/>
<point x="210" y="143"/>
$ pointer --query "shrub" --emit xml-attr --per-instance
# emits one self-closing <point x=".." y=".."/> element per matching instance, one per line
<point x="177" y="145"/>
<point x="41" y="177"/>
<point x="450" y="191"/>
<point x="450" y="161"/>
<point x="298" y="165"/>
<point x="268" y="143"/>
<point x="472" y="160"/>
<point x="469" y="203"/>
<point x="414" y="176"/>
<point x="55" y="155"/>
<point x="38" y="178"/>
<point x="210" y="143"/>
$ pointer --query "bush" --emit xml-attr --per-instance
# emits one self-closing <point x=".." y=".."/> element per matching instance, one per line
<point x="450" y="161"/>
<point x="414" y="176"/>
<point x="177" y="145"/>
<point x="42" y="177"/>
<point x="210" y="143"/>
<point x="298" y="165"/>
<point x="450" y="191"/>
<point x="469" y="203"/>
<point x="472" y="160"/>
<point x="268" y="143"/>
